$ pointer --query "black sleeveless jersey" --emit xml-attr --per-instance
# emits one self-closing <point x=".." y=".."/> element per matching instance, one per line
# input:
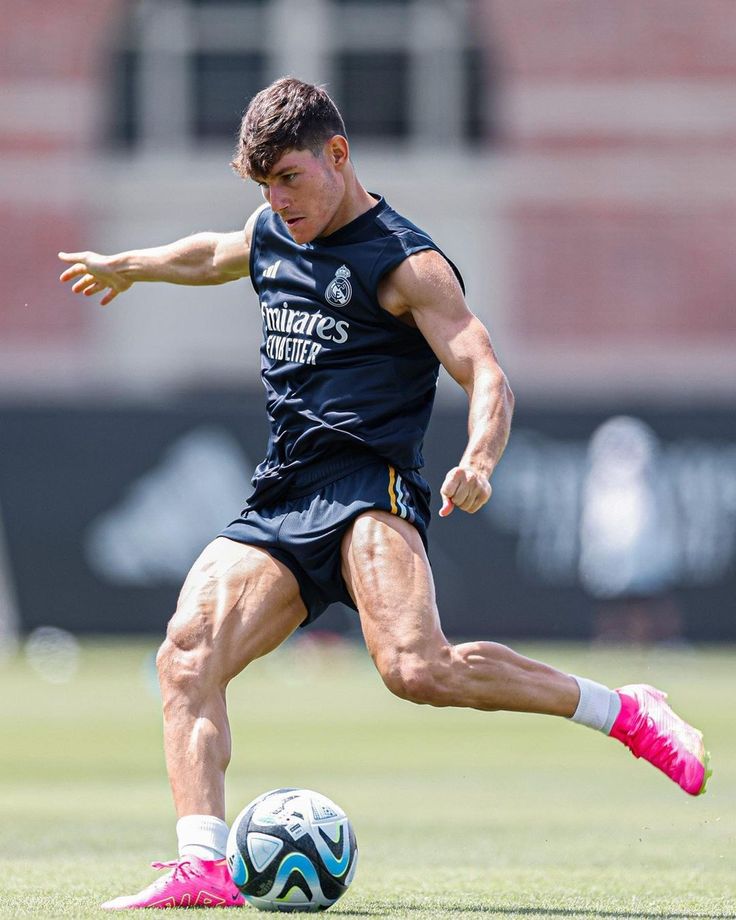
<point x="341" y="374"/>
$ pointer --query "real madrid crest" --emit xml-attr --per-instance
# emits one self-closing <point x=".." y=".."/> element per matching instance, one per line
<point x="339" y="290"/>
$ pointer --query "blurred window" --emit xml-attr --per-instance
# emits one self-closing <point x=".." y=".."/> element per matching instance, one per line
<point x="400" y="70"/>
<point x="223" y="82"/>
<point x="476" y="111"/>
<point x="123" y="115"/>
<point x="372" y="91"/>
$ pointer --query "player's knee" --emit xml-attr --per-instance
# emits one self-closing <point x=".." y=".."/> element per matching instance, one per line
<point x="185" y="661"/>
<point x="413" y="678"/>
<point x="180" y="670"/>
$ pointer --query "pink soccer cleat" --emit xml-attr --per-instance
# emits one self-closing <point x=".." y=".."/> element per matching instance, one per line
<point x="192" y="882"/>
<point x="650" y="729"/>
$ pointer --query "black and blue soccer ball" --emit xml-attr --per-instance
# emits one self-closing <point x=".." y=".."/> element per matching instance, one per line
<point x="292" y="850"/>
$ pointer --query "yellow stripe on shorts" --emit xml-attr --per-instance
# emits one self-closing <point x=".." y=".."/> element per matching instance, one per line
<point x="391" y="490"/>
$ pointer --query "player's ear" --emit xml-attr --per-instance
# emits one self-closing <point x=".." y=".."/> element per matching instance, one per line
<point x="337" y="151"/>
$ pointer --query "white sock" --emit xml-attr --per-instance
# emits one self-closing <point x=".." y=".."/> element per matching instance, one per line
<point x="598" y="706"/>
<point x="202" y="835"/>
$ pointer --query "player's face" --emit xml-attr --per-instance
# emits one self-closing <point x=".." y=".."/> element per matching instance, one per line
<point x="307" y="192"/>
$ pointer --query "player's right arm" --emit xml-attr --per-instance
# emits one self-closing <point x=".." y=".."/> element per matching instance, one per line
<point x="204" y="258"/>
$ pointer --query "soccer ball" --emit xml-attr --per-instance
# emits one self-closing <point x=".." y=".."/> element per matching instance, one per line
<point x="292" y="849"/>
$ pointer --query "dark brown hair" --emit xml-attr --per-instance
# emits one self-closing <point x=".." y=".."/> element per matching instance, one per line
<point x="287" y="115"/>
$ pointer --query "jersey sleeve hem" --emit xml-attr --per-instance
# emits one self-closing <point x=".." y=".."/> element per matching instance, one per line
<point x="409" y="245"/>
<point x="253" y="251"/>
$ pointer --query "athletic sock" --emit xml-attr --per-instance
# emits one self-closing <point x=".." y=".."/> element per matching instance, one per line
<point x="202" y="835"/>
<point x="598" y="706"/>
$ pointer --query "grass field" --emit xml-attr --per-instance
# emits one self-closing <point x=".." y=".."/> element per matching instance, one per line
<point x="457" y="814"/>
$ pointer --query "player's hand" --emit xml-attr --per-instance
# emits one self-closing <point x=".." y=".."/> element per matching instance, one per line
<point x="94" y="274"/>
<point x="465" y="489"/>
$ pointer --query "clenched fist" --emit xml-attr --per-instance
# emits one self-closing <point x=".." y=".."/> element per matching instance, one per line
<point x="464" y="488"/>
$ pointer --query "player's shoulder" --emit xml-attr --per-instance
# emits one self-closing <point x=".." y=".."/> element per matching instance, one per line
<point x="250" y="224"/>
<point x="398" y="226"/>
<point x="421" y="277"/>
<point x="411" y="258"/>
<point x="411" y="244"/>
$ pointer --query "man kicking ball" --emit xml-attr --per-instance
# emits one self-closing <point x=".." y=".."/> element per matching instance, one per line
<point x="359" y="307"/>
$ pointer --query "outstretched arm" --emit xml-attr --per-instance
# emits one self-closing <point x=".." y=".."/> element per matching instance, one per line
<point x="204" y="258"/>
<point x="424" y="291"/>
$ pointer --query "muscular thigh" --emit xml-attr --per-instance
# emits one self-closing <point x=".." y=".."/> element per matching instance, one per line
<point x="238" y="603"/>
<point x="388" y="575"/>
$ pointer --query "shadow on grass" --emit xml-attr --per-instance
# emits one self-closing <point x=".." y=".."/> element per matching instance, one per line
<point x="531" y="912"/>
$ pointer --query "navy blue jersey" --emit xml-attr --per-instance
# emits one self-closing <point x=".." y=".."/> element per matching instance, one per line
<point x="341" y="374"/>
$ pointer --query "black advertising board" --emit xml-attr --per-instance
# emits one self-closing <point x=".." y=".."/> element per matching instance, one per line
<point x="600" y="522"/>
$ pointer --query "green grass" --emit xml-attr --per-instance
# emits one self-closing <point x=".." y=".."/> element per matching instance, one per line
<point x="457" y="813"/>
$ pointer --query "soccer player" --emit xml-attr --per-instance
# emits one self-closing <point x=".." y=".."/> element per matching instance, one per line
<point x="359" y="308"/>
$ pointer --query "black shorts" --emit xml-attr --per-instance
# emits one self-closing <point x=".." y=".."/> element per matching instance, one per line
<point x="305" y="531"/>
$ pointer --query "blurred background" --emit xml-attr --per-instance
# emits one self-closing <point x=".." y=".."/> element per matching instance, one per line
<point x="574" y="157"/>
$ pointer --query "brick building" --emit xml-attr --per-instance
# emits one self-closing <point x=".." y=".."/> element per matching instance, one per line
<point x="575" y="156"/>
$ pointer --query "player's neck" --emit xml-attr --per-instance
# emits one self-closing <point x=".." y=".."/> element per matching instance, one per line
<point x="356" y="201"/>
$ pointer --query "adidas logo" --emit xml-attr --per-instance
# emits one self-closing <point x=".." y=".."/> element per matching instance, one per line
<point x="209" y="464"/>
<point x="272" y="269"/>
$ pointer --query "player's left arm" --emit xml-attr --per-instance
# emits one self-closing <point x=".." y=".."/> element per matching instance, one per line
<point x="423" y="290"/>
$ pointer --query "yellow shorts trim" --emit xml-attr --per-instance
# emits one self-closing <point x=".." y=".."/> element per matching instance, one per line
<point x="392" y="490"/>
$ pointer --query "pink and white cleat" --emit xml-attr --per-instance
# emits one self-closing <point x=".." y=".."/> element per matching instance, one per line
<point x="192" y="882"/>
<point x="650" y="729"/>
